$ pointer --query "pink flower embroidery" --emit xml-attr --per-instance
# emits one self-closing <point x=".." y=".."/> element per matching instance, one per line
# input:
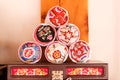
<point x="50" y="37"/>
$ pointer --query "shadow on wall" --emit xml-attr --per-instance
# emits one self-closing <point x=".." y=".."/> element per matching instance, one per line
<point x="8" y="52"/>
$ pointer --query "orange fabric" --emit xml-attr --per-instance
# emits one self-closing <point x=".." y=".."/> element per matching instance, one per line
<point x="78" y="13"/>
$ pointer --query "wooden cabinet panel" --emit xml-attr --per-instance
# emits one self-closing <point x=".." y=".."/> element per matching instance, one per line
<point x="89" y="71"/>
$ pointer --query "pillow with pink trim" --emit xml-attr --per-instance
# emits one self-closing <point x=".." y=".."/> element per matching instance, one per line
<point x="44" y="34"/>
<point x="56" y="52"/>
<point x="57" y="16"/>
<point x="30" y="52"/>
<point x="68" y="34"/>
<point x="79" y="52"/>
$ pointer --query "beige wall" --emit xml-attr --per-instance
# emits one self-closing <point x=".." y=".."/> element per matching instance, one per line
<point x="18" y="18"/>
<point x="104" y="34"/>
<point x="117" y="10"/>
